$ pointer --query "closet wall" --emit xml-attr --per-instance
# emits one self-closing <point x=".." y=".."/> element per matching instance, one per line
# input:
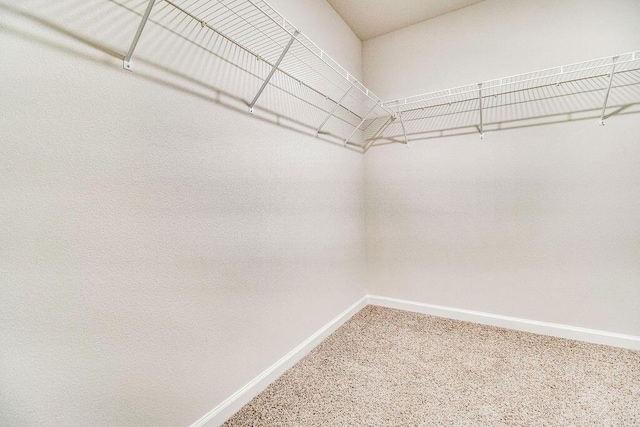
<point x="538" y="222"/>
<point x="159" y="247"/>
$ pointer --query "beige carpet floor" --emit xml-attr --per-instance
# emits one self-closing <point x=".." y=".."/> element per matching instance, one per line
<point x="389" y="367"/>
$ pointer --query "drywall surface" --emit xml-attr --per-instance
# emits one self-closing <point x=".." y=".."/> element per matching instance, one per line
<point x="326" y="28"/>
<point x="159" y="246"/>
<point x="539" y="222"/>
<point x="497" y="38"/>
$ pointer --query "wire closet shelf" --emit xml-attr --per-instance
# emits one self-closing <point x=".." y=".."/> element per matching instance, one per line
<point x="578" y="88"/>
<point x="288" y="61"/>
<point x="284" y="64"/>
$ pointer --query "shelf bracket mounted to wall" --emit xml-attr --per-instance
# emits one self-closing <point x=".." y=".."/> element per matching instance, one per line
<point x="372" y="140"/>
<point x="606" y="97"/>
<point x="127" y="64"/>
<point x="335" y="107"/>
<point x="273" y="70"/>
<point x="480" y="100"/>
<point x="360" y="124"/>
<point x="404" y="130"/>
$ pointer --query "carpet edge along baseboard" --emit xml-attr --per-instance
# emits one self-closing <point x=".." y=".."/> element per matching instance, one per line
<point x="233" y="403"/>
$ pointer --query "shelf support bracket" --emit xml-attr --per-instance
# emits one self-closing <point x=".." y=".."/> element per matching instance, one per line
<point x="404" y="130"/>
<point x="335" y="107"/>
<point x="480" y="99"/>
<point x="360" y="124"/>
<point x="606" y="97"/>
<point x="372" y="140"/>
<point x="273" y="70"/>
<point x="127" y="64"/>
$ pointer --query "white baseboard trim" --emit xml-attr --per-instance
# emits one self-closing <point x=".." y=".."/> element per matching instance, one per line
<point x="237" y="400"/>
<point x="544" y="328"/>
<point x="231" y="405"/>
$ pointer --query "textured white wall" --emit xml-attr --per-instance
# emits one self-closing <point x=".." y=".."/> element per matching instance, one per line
<point x="497" y="38"/>
<point x="159" y="247"/>
<point x="539" y="222"/>
<point x="325" y="28"/>
<point x="158" y="250"/>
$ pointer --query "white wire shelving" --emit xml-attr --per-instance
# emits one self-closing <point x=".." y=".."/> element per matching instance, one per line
<point x="288" y="61"/>
<point x="594" y="85"/>
<point x="286" y="70"/>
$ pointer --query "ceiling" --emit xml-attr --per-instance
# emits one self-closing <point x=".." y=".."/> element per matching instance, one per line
<point x="372" y="18"/>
